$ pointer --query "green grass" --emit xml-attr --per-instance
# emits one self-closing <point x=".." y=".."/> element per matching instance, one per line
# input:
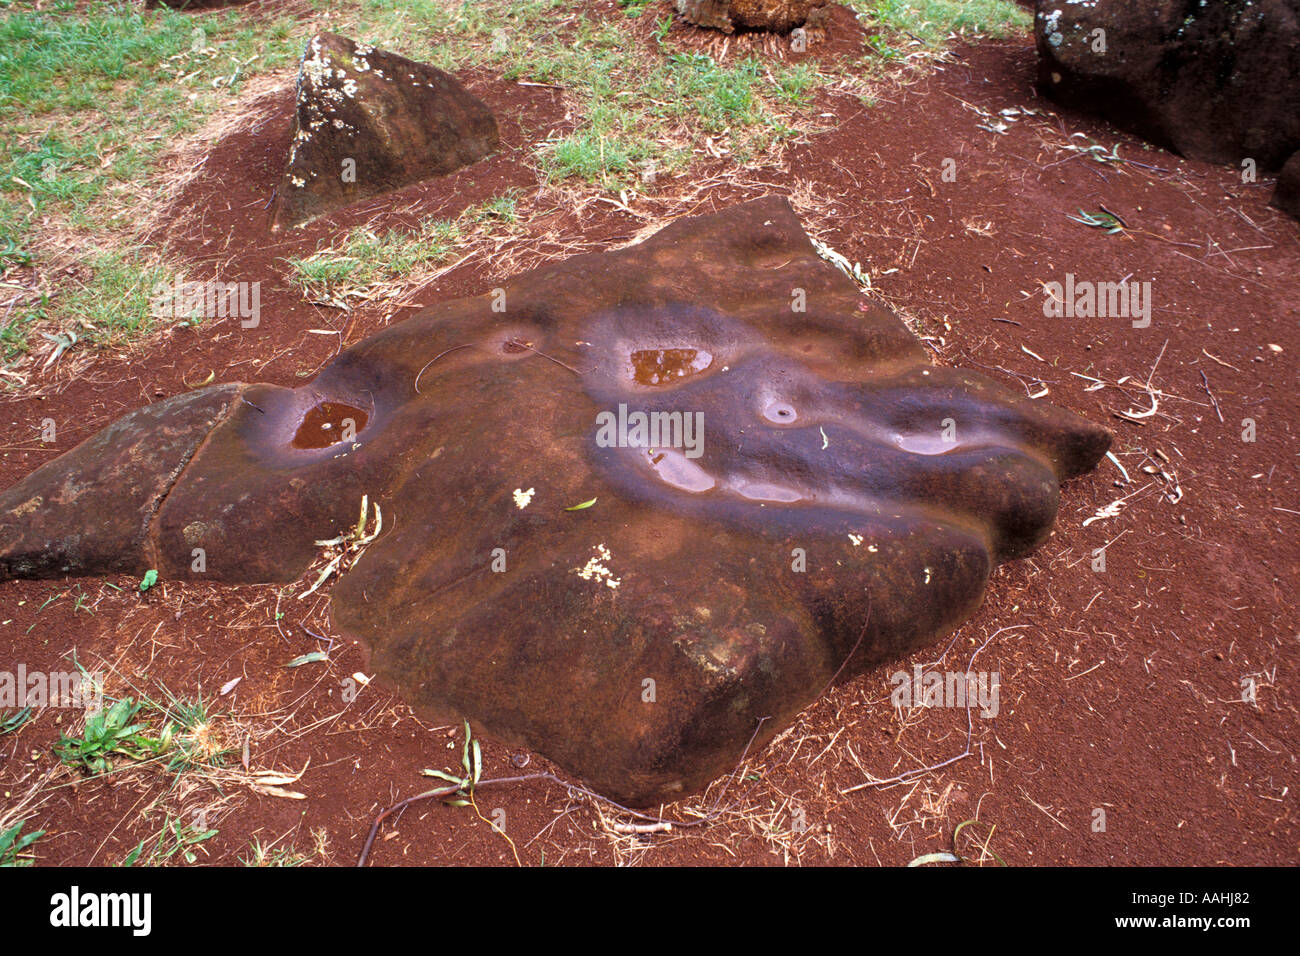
<point x="177" y="736"/>
<point x="90" y="99"/>
<point x="12" y="844"/>
<point x="176" y="838"/>
<point x="128" y="731"/>
<point x="932" y="21"/>
<point x="115" y="297"/>
<point x="107" y="737"/>
<point x="365" y="258"/>
<point x="188" y="726"/>
<point x="11" y="721"/>
<point x="635" y="113"/>
<point x="260" y="854"/>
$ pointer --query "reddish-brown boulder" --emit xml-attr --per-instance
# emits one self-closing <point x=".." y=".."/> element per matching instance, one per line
<point x="369" y="122"/>
<point x="1287" y="195"/>
<point x="775" y="487"/>
<point x="1216" y="81"/>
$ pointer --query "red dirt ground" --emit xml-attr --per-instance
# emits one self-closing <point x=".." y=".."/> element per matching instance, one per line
<point x="1120" y="690"/>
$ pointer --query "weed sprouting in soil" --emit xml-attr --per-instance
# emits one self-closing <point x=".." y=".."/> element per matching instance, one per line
<point x="13" y="843"/>
<point x="10" y="721"/>
<point x="176" y="838"/>
<point x="178" y="734"/>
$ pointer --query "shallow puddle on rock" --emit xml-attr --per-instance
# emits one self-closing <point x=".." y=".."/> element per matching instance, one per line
<point x="924" y="444"/>
<point x="675" y="469"/>
<point x="766" y="491"/>
<point x="664" y="366"/>
<point x="329" y="423"/>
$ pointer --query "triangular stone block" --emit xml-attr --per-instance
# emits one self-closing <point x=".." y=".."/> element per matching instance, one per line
<point x="369" y="122"/>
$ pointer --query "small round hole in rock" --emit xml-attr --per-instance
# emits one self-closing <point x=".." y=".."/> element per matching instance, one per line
<point x="329" y="423"/>
<point x="780" y="413"/>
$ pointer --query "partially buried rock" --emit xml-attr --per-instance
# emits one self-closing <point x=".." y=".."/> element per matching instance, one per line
<point x="778" y="16"/>
<point x="1216" y="81"/>
<point x="1287" y="195"/>
<point x="369" y="122"/>
<point x="639" y="507"/>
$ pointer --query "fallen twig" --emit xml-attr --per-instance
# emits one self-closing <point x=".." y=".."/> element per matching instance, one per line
<point x="909" y="775"/>
<point x="1214" y="401"/>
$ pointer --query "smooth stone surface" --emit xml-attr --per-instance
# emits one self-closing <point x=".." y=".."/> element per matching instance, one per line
<point x="638" y="642"/>
<point x="1217" y="81"/>
<point x="368" y="122"/>
<point x="93" y="510"/>
<point x="1287" y="194"/>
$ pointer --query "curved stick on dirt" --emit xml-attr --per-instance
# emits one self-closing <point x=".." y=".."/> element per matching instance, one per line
<point x="571" y="787"/>
<point x="908" y="776"/>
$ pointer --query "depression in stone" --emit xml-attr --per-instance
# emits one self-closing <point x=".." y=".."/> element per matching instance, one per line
<point x="647" y="610"/>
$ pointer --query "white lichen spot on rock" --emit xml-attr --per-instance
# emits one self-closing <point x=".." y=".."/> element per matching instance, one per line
<point x="334" y="86"/>
<point x="595" y="569"/>
<point x="316" y="66"/>
<point x="523" y="498"/>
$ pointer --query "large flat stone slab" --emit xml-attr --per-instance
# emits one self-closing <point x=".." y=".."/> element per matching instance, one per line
<point x="838" y="501"/>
